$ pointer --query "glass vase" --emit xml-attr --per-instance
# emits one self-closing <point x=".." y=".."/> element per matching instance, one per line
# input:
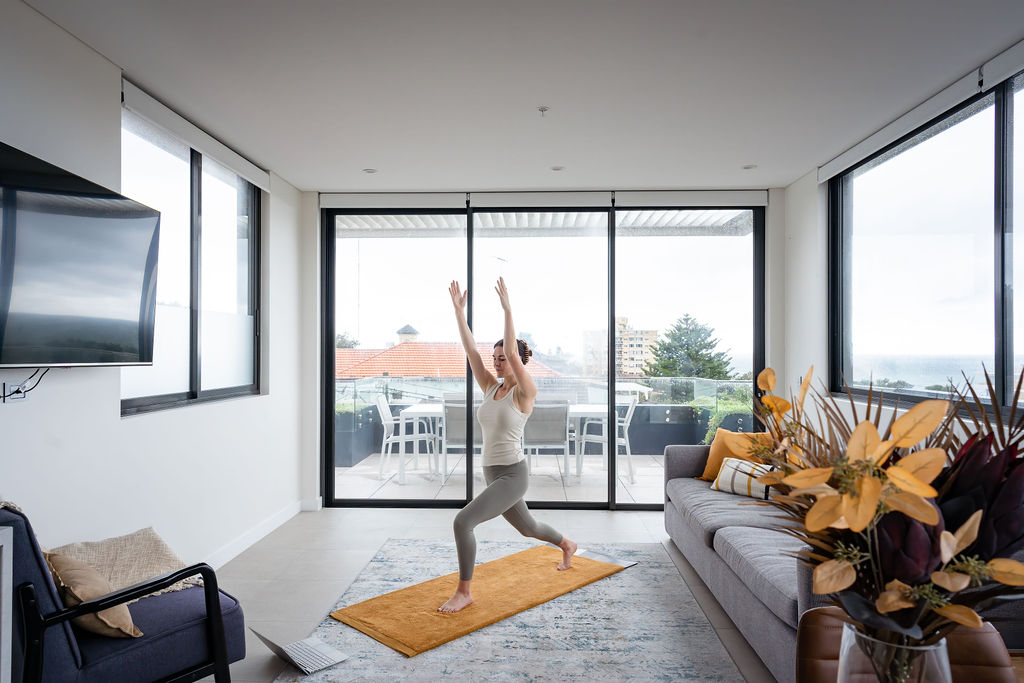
<point x="861" y="656"/>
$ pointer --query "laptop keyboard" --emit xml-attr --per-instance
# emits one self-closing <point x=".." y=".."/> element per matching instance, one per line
<point x="309" y="658"/>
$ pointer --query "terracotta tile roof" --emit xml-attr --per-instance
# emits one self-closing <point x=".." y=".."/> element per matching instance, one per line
<point x="417" y="359"/>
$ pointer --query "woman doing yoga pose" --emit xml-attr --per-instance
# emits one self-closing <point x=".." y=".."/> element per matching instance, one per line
<point x="506" y="406"/>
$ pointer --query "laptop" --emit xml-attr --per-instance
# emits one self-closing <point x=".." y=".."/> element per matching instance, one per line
<point x="309" y="655"/>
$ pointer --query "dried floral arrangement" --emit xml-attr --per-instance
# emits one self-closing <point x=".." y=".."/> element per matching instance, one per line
<point x="911" y="520"/>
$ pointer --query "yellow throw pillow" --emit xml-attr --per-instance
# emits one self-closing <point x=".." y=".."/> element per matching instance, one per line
<point x="728" y="444"/>
<point x="78" y="583"/>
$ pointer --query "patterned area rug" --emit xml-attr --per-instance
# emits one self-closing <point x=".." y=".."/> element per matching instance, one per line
<point x="641" y="624"/>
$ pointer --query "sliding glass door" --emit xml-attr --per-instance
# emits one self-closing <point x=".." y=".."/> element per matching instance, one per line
<point x="555" y="266"/>
<point x="396" y="356"/>
<point x="684" y="318"/>
<point x="646" y="328"/>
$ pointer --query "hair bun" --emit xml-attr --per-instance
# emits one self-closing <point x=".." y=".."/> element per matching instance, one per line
<point x="524" y="351"/>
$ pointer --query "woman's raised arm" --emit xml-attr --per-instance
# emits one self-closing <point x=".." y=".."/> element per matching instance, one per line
<point x="481" y="374"/>
<point x="527" y="388"/>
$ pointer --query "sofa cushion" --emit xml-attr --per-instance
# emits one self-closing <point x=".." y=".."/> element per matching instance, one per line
<point x="130" y="559"/>
<point x="740" y="477"/>
<point x="173" y="623"/>
<point x="707" y="511"/>
<point x="759" y="558"/>
<point x="80" y="583"/>
<point x="728" y="444"/>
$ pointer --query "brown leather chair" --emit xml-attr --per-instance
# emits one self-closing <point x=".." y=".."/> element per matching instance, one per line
<point x="976" y="655"/>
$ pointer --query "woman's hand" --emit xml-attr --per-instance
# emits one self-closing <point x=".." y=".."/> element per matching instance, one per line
<point x="458" y="296"/>
<point x="503" y="294"/>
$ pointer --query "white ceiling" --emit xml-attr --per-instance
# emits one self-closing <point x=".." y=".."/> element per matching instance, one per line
<point x="443" y="94"/>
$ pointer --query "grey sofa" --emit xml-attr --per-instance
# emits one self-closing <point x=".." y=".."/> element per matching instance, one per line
<point x="742" y="559"/>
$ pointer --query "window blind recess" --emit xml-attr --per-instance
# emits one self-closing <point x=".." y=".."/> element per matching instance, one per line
<point x="479" y="200"/>
<point x="938" y="104"/>
<point x="143" y="104"/>
<point x="1001" y="67"/>
<point x="689" y="198"/>
<point x="393" y="200"/>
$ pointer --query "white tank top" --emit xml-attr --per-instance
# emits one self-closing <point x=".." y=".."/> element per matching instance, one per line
<point x="502" y="426"/>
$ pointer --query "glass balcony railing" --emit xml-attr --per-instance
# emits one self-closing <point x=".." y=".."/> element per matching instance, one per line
<point x="670" y="410"/>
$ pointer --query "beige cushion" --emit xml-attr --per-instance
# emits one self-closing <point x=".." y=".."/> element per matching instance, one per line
<point x="740" y="477"/>
<point x="78" y="583"/>
<point x="127" y="560"/>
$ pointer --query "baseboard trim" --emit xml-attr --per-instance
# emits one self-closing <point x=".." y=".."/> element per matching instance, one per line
<point x="234" y="548"/>
<point x="313" y="504"/>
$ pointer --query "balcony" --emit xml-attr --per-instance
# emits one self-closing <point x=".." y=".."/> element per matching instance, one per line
<point x="676" y="410"/>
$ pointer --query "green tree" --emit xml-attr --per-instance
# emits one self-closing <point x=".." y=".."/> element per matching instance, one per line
<point x="343" y="341"/>
<point x="688" y="350"/>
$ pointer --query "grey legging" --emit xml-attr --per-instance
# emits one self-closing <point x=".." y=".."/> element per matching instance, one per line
<point x="506" y="486"/>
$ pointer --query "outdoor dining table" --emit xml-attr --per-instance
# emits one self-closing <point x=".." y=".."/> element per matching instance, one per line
<point x="435" y="411"/>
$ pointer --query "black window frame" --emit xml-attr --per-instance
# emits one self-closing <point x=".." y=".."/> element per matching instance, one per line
<point x="327" y="344"/>
<point x="196" y="394"/>
<point x="839" y="214"/>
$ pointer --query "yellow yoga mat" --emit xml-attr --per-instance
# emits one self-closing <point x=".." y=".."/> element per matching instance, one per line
<point x="407" y="620"/>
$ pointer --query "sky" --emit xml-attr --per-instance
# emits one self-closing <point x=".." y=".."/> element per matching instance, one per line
<point x="557" y="286"/>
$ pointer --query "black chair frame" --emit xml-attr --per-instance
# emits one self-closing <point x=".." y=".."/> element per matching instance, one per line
<point x="36" y="623"/>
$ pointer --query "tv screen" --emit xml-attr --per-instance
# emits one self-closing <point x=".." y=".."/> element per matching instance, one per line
<point x="78" y="267"/>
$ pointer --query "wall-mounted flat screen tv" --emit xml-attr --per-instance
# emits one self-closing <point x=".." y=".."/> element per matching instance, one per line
<point x="78" y="267"/>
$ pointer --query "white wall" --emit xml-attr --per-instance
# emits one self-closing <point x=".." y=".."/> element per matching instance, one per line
<point x="310" y="351"/>
<point x="210" y="478"/>
<point x="775" y="284"/>
<point x="806" y="282"/>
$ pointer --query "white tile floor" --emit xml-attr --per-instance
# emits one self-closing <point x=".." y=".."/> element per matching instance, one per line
<point x="548" y="480"/>
<point x="289" y="581"/>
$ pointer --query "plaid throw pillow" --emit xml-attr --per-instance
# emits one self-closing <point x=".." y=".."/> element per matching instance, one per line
<point x="740" y="476"/>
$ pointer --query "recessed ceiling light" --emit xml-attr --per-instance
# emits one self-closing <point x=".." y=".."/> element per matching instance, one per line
<point x="748" y="167"/>
<point x="558" y="168"/>
<point x="369" y="170"/>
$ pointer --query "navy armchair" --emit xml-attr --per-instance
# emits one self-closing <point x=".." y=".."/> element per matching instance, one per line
<point x="188" y="634"/>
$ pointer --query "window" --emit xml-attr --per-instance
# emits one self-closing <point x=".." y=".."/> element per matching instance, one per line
<point x="206" y="339"/>
<point x="632" y="334"/>
<point x="919" y="299"/>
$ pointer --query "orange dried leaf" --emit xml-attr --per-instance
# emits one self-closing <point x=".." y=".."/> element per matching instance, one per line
<point x="925" y="465"/>
<point x="770" y="479"/>
<point x="833" y="576"/>
<point x="777" y="404"/>
<point x="823" y="513"/>
<point x="890" y="601"/>
<point x="863" y="441"/>
<point x="882" y="452"/>
<point x="817" y="491"/>
<point x="859" y="510"/>
<point x="914" y="506"/>
<point x="908" y="482"/>
<point x="804" y="386"/>
<point x="766" y="380"/>
<point x="951" y="581"/>
<point x="968" y="532"/>
<point x="1007" y="571"/>
<point x="947" y="546"/>
<point x="961" y="615"/>
<point x="810" y="477"/>
<point x="918" y="422"/>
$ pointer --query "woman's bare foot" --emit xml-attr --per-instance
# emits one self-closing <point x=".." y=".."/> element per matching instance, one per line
<point x="460" y="599"/>
<point x="568" y="550"/>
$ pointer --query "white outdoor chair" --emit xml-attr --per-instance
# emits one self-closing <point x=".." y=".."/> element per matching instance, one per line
<point x="588" y="435"/>
<point x="392" y="434"/>
<point x="453" y="430"/>
<point x="548" y="427"/>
